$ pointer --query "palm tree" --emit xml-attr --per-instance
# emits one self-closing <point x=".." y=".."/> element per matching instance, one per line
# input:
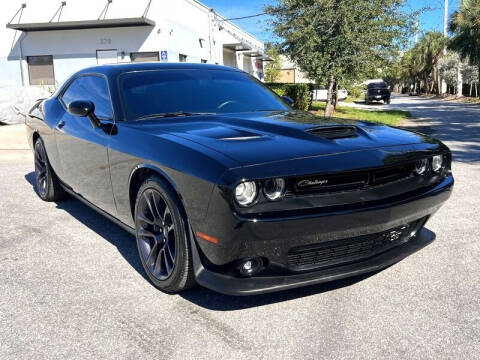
<point x="465" y="27"/>
<point x="430" y="49"/>
<point x="411" y="67"/>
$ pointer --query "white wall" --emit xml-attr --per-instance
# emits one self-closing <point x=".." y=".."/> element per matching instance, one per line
<point x="179" y="26"/>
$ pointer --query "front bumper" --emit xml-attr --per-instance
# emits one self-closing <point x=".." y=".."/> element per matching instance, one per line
<point x="231" y="285"/>
<point x="272" y="238"/>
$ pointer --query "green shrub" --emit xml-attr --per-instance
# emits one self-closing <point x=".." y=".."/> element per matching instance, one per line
<point x="356" y="91"/>
<point x="279" y="89"/>
<point x="301" y="94"/>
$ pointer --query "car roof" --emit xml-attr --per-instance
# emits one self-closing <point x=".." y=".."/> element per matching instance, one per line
<point x="379" y="83"/>
<point x="115" y="69"/>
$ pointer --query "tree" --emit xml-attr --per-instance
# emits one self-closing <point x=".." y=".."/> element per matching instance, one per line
<point x="339" y="40"/>
<point x="465" y="27"/>
<point x="430" y="49"/>
<point x="470" y="76"/>
<point x="272" y="68"/>
<point x="448" y="67"/>
<point x="392" y="73"/>
<point x="411" y="67"/>
<point x="421" y="62"/>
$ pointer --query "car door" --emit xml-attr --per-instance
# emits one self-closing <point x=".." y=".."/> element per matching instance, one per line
<point x="83" y="149"/>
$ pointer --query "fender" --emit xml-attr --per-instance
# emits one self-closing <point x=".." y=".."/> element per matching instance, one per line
<point x="160" y="172"/>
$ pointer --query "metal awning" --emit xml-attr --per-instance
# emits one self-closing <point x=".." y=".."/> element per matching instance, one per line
<point x="237" y="46"/>
<point x="258" y="55"/>
<point x="252" y="53"/>
<point x="83" y="24"/>
<point x="264" y="57"/>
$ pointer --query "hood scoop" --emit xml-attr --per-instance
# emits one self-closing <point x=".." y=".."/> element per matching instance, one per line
<point x="334" y="132"/>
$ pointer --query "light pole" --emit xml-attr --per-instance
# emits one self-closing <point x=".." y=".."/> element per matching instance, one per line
<point x="459" y="71"/>
<point x="443" y="89"/>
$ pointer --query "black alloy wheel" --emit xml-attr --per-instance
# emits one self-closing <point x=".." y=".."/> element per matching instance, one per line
<point x="156" y="234"/>
<point x="40" y="159"/>
<point x="162" y="238"/>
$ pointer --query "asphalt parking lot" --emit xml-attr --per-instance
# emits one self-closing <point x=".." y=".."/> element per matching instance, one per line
<point x="72" y="286"/>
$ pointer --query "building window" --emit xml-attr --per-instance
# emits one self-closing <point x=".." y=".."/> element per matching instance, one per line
<point x="107" y="56"/>
<point x="182" y="58"/>
<point x="144" y="56"/>
<point x="204" y="61"/>
<point x="40" y="70"/>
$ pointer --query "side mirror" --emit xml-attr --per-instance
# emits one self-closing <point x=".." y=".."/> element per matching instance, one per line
<point x="288" y="100"/>
<point x="81" y="108"/>
<point x="84" y="108"/>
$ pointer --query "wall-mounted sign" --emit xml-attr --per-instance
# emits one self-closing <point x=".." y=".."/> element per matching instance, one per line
<point x="163" y="55"/>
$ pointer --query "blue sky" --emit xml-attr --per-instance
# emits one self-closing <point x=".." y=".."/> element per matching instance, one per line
<point x="430" y="20"/>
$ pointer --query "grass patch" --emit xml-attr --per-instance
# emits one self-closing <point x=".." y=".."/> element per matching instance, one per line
<point x="351" y="99"/>
<point x="387" y="117"/>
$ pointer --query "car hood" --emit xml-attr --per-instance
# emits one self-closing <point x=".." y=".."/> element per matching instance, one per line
<point x="262" y="137"/>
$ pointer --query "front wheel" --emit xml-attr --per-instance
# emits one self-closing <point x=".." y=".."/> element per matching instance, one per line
<point x="47" y="184"/>
<point x="161" y="234"/>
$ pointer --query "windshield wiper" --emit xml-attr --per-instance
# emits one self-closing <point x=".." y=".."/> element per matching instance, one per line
<point x="173" y="114"/>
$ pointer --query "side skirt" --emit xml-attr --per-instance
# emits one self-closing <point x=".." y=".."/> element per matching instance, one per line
<point x="100" y="211"/>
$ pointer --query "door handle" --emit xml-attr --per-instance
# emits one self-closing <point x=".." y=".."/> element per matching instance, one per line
<point x="60" y="124"/>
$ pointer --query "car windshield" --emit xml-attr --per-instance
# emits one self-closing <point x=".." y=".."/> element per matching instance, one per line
<point x="165" y="93"/>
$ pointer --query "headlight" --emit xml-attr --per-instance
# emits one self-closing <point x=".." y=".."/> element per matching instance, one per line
<point x="421" y="166"/>
<point x="437" y="163"/>
<point x="245" y="193"/>
<point x="274" y="189"/>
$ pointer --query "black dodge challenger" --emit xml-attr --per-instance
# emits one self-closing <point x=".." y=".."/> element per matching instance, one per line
<point x="225" y="185"/>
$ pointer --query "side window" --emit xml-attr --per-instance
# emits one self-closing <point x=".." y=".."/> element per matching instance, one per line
<point x="93" y="88"/>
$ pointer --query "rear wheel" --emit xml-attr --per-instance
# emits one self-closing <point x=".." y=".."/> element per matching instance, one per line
<point x="161" y="234"/>
<point x="47" y="184"/>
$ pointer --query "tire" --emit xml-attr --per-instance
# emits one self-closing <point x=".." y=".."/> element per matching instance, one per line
<point x="388" y="101"/>
<point x="167" y="260"/>
<point x="47" y="183"/>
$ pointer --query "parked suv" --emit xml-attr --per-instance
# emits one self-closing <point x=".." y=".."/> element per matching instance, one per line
<point x="377" y="91"/>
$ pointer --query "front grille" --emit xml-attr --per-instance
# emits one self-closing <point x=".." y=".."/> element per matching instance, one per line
<point x="331" y="253"/>
<point x="351" y="181"/>
<point x="386" y="175"/>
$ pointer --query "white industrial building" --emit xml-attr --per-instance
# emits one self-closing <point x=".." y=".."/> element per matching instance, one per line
<point x="43" y="42"/>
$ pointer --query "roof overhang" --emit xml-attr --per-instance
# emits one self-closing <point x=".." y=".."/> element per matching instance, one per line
<point x="258" y="55"/>
<point x="264" y="57"/>
<point x="252" y="53"/>
<point x="237" y="46"/>
<point x="83" y="24"/>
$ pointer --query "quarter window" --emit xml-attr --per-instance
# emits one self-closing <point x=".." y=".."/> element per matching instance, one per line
<point x="92" y="88"/>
